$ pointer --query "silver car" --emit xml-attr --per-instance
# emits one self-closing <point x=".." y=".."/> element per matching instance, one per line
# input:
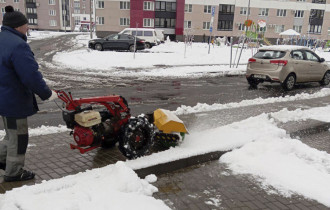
<point x="287" y="65"/>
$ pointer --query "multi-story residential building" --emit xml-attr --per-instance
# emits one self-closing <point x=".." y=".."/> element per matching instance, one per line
<point x="175" y="17"/>
<point x="58" y="15"/>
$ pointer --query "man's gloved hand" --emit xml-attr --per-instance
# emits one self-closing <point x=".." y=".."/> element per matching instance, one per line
<point x="53" y="96"/>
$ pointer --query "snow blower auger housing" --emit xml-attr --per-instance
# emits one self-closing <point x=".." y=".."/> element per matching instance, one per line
<point x="104" y="121"/>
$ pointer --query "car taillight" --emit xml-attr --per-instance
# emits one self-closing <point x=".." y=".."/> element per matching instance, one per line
<point x="279" y="62"/>
<point x="252" y="60"/>
<point x="141" y="41"/>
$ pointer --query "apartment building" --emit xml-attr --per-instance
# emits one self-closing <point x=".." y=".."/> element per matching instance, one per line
<point x="57" y="15"/>
<point x="177" y="17"/>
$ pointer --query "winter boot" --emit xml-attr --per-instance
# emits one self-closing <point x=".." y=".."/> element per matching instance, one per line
<point x="22" y="175"/>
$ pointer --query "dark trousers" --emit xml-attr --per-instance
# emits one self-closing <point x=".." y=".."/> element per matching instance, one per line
<point x="13" y="146"/>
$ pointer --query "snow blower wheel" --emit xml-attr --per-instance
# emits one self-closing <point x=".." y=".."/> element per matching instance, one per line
<point x="137" y="138"/>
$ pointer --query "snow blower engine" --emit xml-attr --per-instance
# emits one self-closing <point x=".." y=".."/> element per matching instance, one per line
<point x="104" y="121"/>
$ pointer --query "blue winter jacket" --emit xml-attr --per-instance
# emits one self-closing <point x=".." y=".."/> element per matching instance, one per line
<point x="19" y="76"/>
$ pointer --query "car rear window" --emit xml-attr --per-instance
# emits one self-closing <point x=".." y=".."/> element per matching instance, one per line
<point x="269" y="54"/>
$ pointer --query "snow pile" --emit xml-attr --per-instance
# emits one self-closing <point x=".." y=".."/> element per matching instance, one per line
<point x="38" y="35"/>
<point x="42" y="130"/>
<point x="286" y="164"/>
<point x="203" y="107"/>
<point x="318" y="113"/>
<point x="112" y="187"/>
<point x="173" y="72"/>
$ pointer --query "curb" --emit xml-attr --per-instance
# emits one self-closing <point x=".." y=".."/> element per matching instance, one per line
<point x="179" y="164"/>
<point x="195" y="160"/>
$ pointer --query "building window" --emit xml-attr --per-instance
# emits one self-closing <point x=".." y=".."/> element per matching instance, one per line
<point x="52" y="12"/>
<point x="52" y="23"/>
<point x="263" y="11"/>
<point x="51" y="2"/>
<point x="187" y="24"/>
<point x="124" y="22"/>
<point x="16" y="1"/>
<point x="297" y="28"/>
<point x="124" y="5"/>
<point x="206" y="25"/>
<point x="188" y="8"/>
<point x="226" y="9"/>
<point x="225" y="25"/>
<point x="77" y="20"/>
<point x="244" y="10"/>
<point x="76" y="4"/>
<point x="3" y="10"/>
<point x="165" y="23"/>
<point x="319" y="1"/>
<point x="315" y="29"/>
<point x="148" y="22"/>
<point x="263" y="29"/>
<point x="207" y="9"/>
<point x="279" y="28"/>
<point x="301" y="0"/>
<point x="328" y="30"/>
<point x="165" y="6"/>
<point x="241" y="27"/>
<point x="76" y="11"/>
<point x="32" y="21"/>
<point x="31" y="10"/>
<point x="100" y="4"/>
<point x="148" y="5"/>
<point x="317" y="14"/>
<point x="100" y="20"/>
<point x="281" y="12"/>
<point x="299" y="14"/>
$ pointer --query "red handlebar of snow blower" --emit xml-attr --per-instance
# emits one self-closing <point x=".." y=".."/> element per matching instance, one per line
<point x="108" y="101"/>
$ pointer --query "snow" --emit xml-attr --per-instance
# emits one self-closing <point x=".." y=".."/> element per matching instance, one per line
<point x="259" y="147"/>
<point x="203" y="107"/>
<point x="106" y="188"/>
<point x="286" y="164"/>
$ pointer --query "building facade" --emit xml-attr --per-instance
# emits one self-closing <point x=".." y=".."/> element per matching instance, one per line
<point x="179" y="17"/>
<point x="57" y="15"/>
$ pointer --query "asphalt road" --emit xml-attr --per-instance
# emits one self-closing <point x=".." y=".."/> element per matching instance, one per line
<point x="143" y="96"/>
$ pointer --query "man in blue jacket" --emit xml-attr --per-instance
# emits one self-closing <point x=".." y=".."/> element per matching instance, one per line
<point x="19" y="81"/>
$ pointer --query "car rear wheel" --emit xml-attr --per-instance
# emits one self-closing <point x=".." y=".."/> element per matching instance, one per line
<point x="289" y="82"/>
<point x="131" y="48"/>
<point x="326" y="78"/>
<point x="98" y="47"/>
<point x="148" y="45"/>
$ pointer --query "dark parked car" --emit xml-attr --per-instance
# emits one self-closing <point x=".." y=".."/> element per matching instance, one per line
<point x="117" y="42"/>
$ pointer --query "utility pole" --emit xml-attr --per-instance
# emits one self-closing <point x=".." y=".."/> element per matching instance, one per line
<point x="90" y="19"/>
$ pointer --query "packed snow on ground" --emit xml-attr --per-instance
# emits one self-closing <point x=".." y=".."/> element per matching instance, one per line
<point x="112" y="187"/>
<point x="260" y="148"/>
<point x="203" y="107"/>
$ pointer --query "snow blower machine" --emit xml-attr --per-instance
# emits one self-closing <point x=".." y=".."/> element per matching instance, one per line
<point x="104" y="121"/>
